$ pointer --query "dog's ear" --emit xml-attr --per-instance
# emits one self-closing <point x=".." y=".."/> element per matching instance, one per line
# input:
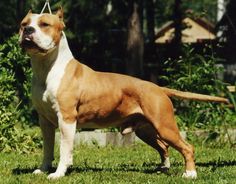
<point x="29" y="12"/>
<point x="60" y="13"/>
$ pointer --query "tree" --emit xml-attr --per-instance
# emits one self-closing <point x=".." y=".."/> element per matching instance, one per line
<point x="135" y="45"/>
<point x="177" y="18"/>
<point x="227" y="27"/>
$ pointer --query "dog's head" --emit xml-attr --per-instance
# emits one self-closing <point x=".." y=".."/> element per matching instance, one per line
<point x="41" y="33"/>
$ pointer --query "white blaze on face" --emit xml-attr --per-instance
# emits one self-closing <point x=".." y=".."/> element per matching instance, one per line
<point x="43" y="40"/>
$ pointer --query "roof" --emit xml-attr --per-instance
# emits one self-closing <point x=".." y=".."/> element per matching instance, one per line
<point x="195" y="30"/>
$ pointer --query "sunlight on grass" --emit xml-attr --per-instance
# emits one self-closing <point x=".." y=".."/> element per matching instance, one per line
<point x="136" y="164"/>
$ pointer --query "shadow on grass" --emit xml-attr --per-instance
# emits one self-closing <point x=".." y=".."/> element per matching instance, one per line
<point x="121" y="167"/>
<point x="148" y="168"/>
<point x="216" y="164"/>
<point x="19" y="171"/>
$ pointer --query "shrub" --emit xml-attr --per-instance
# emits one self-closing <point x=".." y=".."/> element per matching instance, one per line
<point x="16" y="110"/>
<point x="197" y="73"/>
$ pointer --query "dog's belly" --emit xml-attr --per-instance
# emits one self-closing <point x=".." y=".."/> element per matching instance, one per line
<point x="98" y="125"/>
<point x="93" y="120"/>
<point x="113" y="120"/>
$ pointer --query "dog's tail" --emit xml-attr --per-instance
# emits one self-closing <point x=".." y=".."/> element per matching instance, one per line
<point x="194" y="96"/>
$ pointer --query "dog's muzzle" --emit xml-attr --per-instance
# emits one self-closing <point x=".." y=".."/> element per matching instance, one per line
<point x="27" y="41"/>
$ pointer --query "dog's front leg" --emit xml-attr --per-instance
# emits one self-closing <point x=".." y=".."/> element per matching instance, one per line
<point x="67" y="132"/>
<point x="48" y="133"/>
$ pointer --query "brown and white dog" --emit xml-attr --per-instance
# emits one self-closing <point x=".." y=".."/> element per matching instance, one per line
<point x="68" y="94"/>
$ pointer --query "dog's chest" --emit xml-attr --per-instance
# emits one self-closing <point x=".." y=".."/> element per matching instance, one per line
<point x="44" y="95"/>
<point x="42" y="107"/>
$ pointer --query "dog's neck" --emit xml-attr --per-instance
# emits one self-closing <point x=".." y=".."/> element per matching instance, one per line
<point x="42" y="64"/>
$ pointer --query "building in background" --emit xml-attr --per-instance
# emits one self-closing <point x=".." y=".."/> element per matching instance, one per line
<point x="194" y="31"/>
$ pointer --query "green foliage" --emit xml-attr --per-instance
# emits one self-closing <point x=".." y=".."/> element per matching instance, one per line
<point x="193" y="72"/>
<point x="196" y="73"/>
<point x="15" y="112"/>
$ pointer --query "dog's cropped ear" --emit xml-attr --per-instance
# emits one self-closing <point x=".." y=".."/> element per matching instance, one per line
<point x="29" y="12"/>
<point x="27" y="15"/>
<point x="60" y="13"/>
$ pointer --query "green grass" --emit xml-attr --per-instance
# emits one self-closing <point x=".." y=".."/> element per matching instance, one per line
<point x="136" y="164"/>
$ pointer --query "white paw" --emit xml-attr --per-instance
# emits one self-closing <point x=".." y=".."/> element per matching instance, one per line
<point x="190" y="174"/>
<point x="166" y="163"/>
<point x="127" y="130"/>
<point x="38" y="171"/>
<point x="55" y="175"/>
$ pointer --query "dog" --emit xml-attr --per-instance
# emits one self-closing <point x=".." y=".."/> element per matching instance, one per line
<point x="69" y="95"/>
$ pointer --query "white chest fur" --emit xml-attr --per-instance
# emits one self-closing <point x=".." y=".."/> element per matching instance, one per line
<point x="56" y="73"/>
<point x="53" y="78"/>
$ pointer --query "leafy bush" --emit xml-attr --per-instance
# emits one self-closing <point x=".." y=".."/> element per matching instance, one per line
<point x="197" y="73"/>
<point x="15" y="112"/>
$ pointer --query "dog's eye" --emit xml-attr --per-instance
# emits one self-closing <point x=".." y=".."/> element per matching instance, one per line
<point x="44" y="24"/>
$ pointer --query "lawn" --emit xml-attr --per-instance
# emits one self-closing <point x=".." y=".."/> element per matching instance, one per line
<point x="135" y="164"/>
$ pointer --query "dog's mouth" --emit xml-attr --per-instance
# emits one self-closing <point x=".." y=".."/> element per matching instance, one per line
<point x="28" y="43"/>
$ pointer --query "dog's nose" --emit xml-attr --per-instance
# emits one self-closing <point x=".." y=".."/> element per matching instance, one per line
<point x="29" y="30"/>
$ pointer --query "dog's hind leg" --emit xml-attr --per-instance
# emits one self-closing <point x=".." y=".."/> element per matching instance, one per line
<point x="174" y="139"/>
<point x="160" y="114"/>
<point x="48" y="133"/>
<point x="168" y="132"/>
<point x="148" y="134"/>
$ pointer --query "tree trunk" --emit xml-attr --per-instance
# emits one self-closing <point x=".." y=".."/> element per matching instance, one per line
<point x="226" y="29"/>
<point x="135" y="45"/>
<point x="177" y="18"/>
<point x="150" y="21"/>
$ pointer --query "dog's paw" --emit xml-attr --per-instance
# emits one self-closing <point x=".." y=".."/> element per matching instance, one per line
<point x="127" y="130"/>
<point x="166" y="163"/>
<point x="190" y="174"/>
<point x="162" y="169"/>
<point x="164" y="166"/>
<point x="56" y="175"/>
<point x="38" y="171"/>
